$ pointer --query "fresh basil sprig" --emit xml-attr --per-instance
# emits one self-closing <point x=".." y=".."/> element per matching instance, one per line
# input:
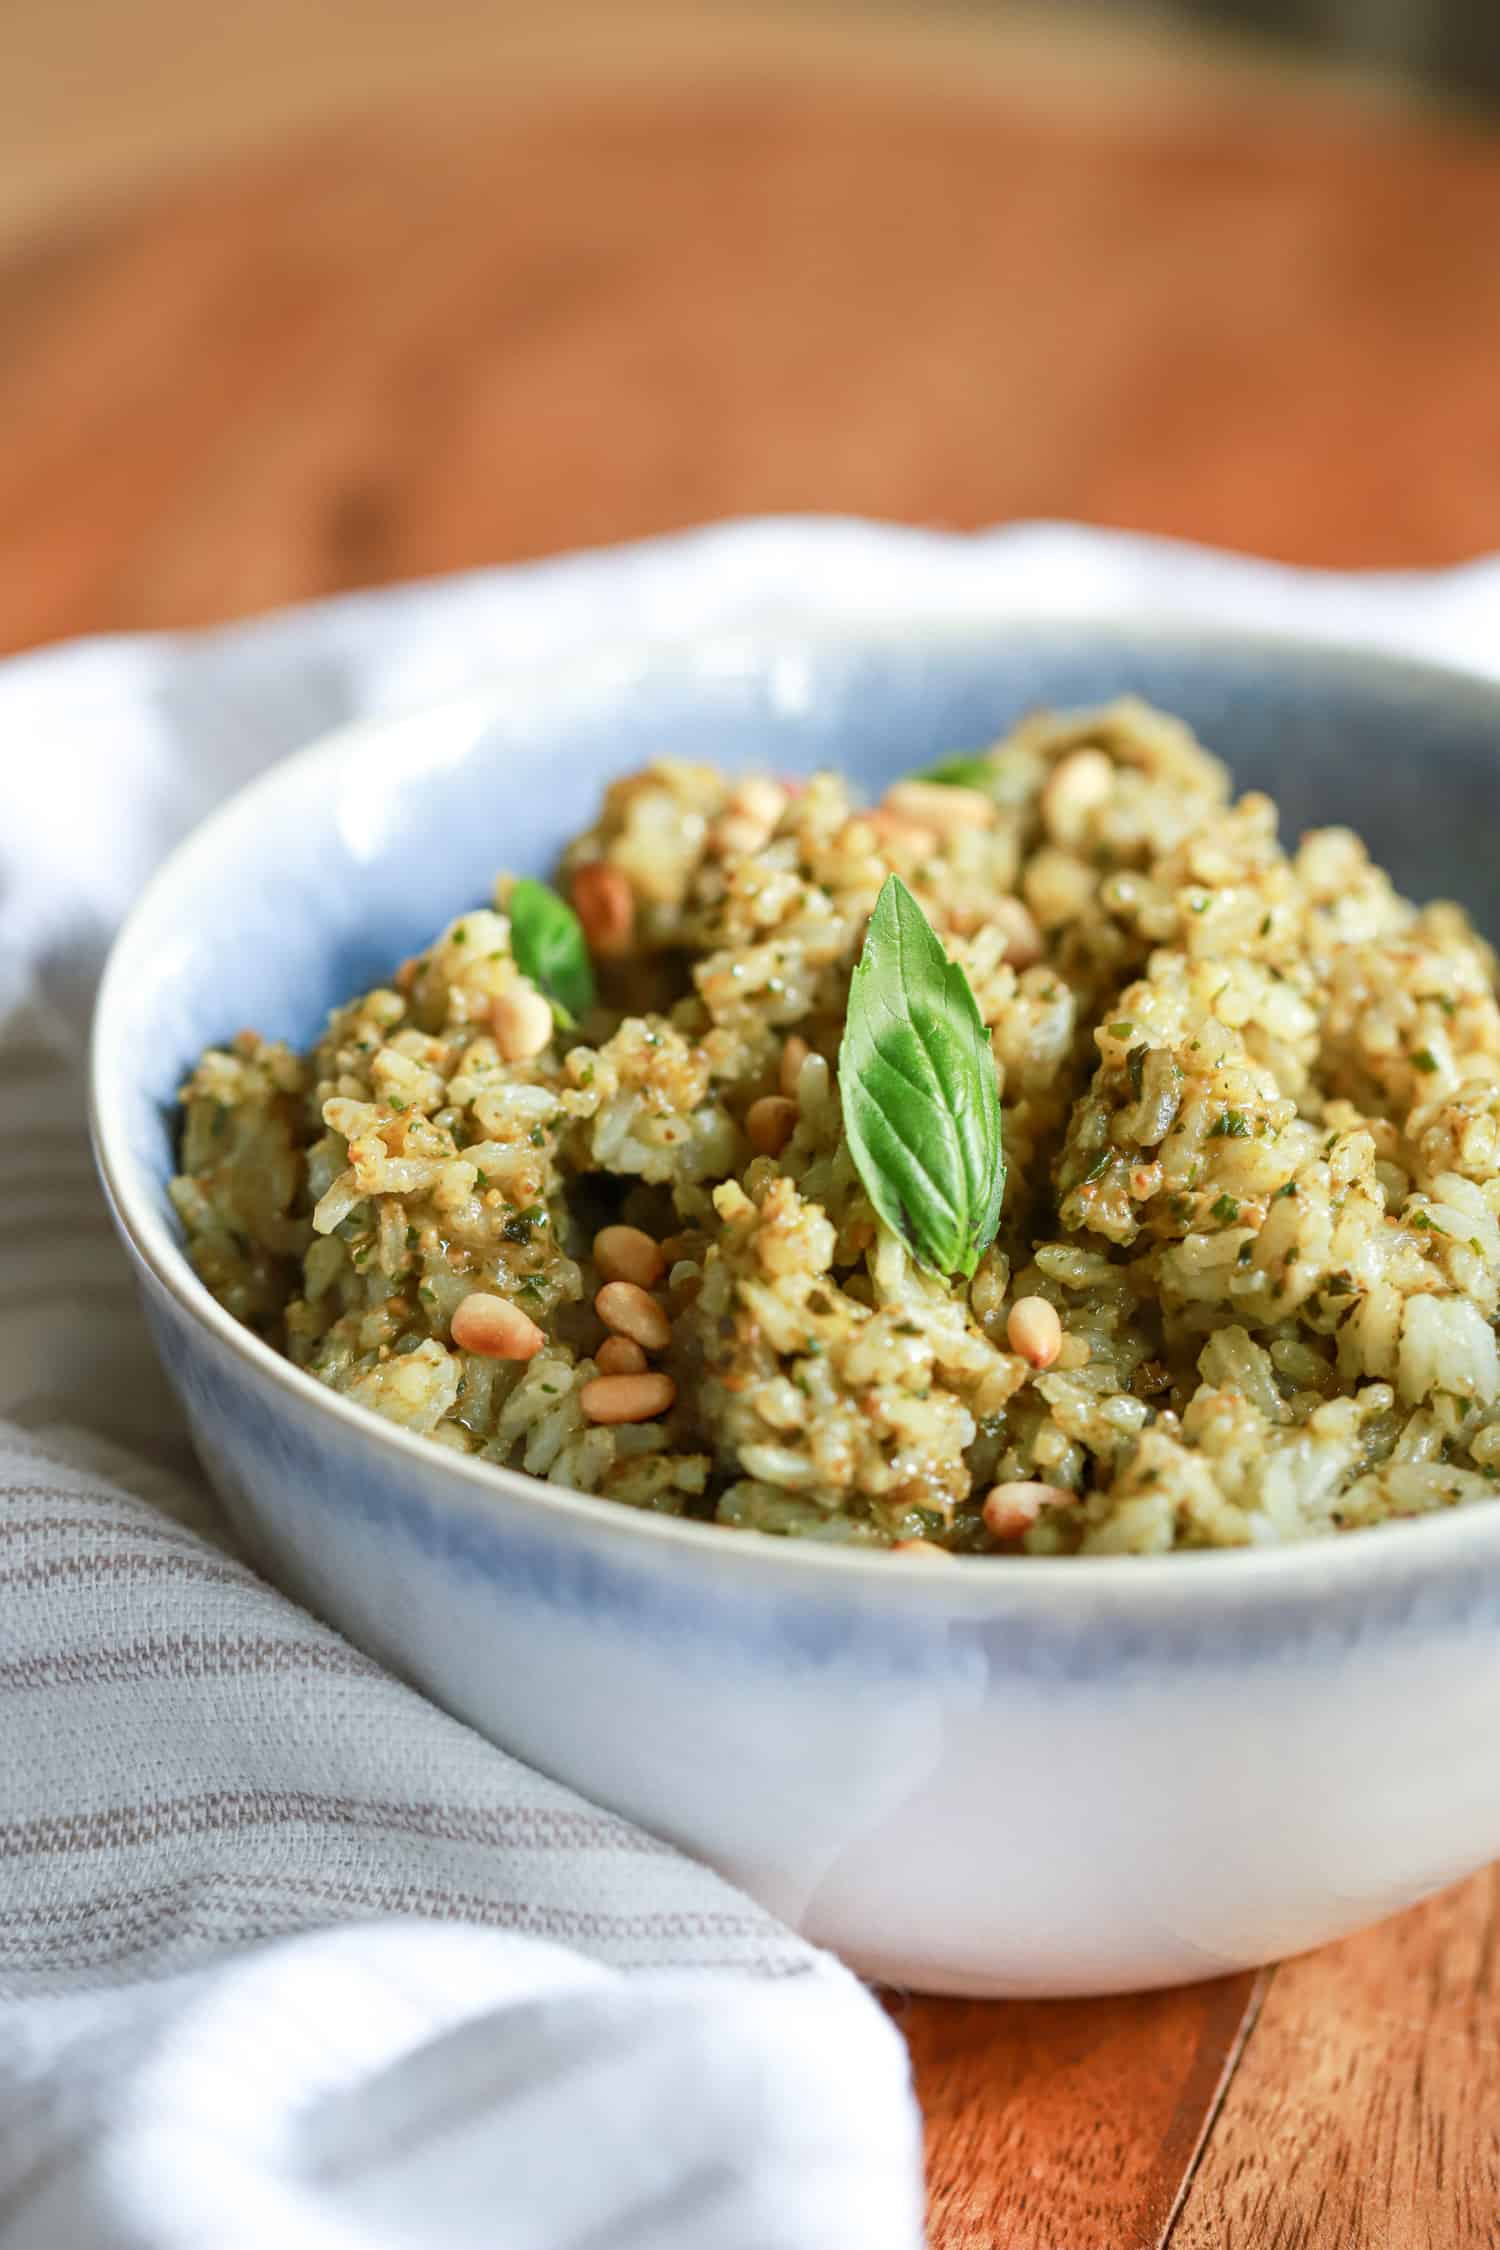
<point x="921" y="1100"/>
<point x="547" y="940"/>
<point x="963" y="772"/>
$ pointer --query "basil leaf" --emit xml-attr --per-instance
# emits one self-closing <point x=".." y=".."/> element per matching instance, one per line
<point x="547" y="940"/>
<point x="921" y="1100"/>
<point x="964" y="772"/>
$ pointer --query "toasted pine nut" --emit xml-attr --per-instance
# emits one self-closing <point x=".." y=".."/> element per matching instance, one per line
<point x="406" y="975"/>
<point x="605" y="905"/>
<point x="522" y="1023"/>
<point x="617" y="1355"/>
<point x="629" y="1254"/>
<point x="1075" y="786"/>
<point x="935" y="806"/>
<point x="1010" y="1509"/>
<point x="793" y="1055"/>
<point x="627" y="1309"/>
<point x="924" y="1547"/>
<point x="627" y="1398"/>
<point x="495" y="1328"/>
<point x="1034" y="1331"/>
<point x="770" y="1123"/>
<point x="1017" y="925"/>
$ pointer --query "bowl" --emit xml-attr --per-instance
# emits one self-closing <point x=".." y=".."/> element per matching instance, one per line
<point x="1010" y="1776"/>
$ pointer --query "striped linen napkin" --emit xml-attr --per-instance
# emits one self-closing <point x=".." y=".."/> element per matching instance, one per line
<point x="287" y="1956"/>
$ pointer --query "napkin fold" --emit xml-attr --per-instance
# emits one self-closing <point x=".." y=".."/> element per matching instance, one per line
<point x="291" y="1958"/>
<point x="288" y="1956"/>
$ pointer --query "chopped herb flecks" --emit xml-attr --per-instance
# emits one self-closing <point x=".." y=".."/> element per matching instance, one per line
<point x="1230" y="1125"/>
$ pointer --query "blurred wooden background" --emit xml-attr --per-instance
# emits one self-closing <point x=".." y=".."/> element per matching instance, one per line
<point x="99" y="97"/>
<point x="286" y="307"/>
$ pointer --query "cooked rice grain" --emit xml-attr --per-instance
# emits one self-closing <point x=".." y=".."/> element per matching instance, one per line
<point x="1252" y="1125"/>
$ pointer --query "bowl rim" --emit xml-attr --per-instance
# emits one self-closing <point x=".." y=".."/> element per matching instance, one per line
<point x="1377" y="1557"/>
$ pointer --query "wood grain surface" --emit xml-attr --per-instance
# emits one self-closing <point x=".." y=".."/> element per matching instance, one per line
<point x="444" y="341"/>
<point x="1366" y="2108"/>
<point x="1070" y="2122"/>
<point x="440" y="341"/>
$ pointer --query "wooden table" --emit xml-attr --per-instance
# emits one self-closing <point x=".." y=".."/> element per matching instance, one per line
<point x="439" y="342"/>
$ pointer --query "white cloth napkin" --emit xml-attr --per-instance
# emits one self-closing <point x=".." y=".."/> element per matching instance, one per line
<point x="288" y="1957"/>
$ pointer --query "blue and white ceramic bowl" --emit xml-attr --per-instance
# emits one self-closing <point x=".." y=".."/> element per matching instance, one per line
<point x="1006" y="1777"/>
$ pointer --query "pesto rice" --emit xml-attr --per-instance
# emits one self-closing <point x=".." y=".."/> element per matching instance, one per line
<point x="602" y="1221"/>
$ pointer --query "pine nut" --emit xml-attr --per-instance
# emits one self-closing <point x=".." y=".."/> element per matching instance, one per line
<point x="617" y="1355"/>
<point x="1017" y="925"/>
<point x="628" y="1254"/>
<point x="627" y="1398"/>
<point x="522" y="1023"/>
<point x="1034" y="1331"/>
<point x="770" y="1123"/>
<point x="793" y="1055"/>
<point x="946" y="810"/>
<point x="630" y="1312"/>
<point x="1010" y="1509"/>
<point x="605" y="905"/>
<point x="495" y="1328"/>
<point x="924" y="1547"/>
